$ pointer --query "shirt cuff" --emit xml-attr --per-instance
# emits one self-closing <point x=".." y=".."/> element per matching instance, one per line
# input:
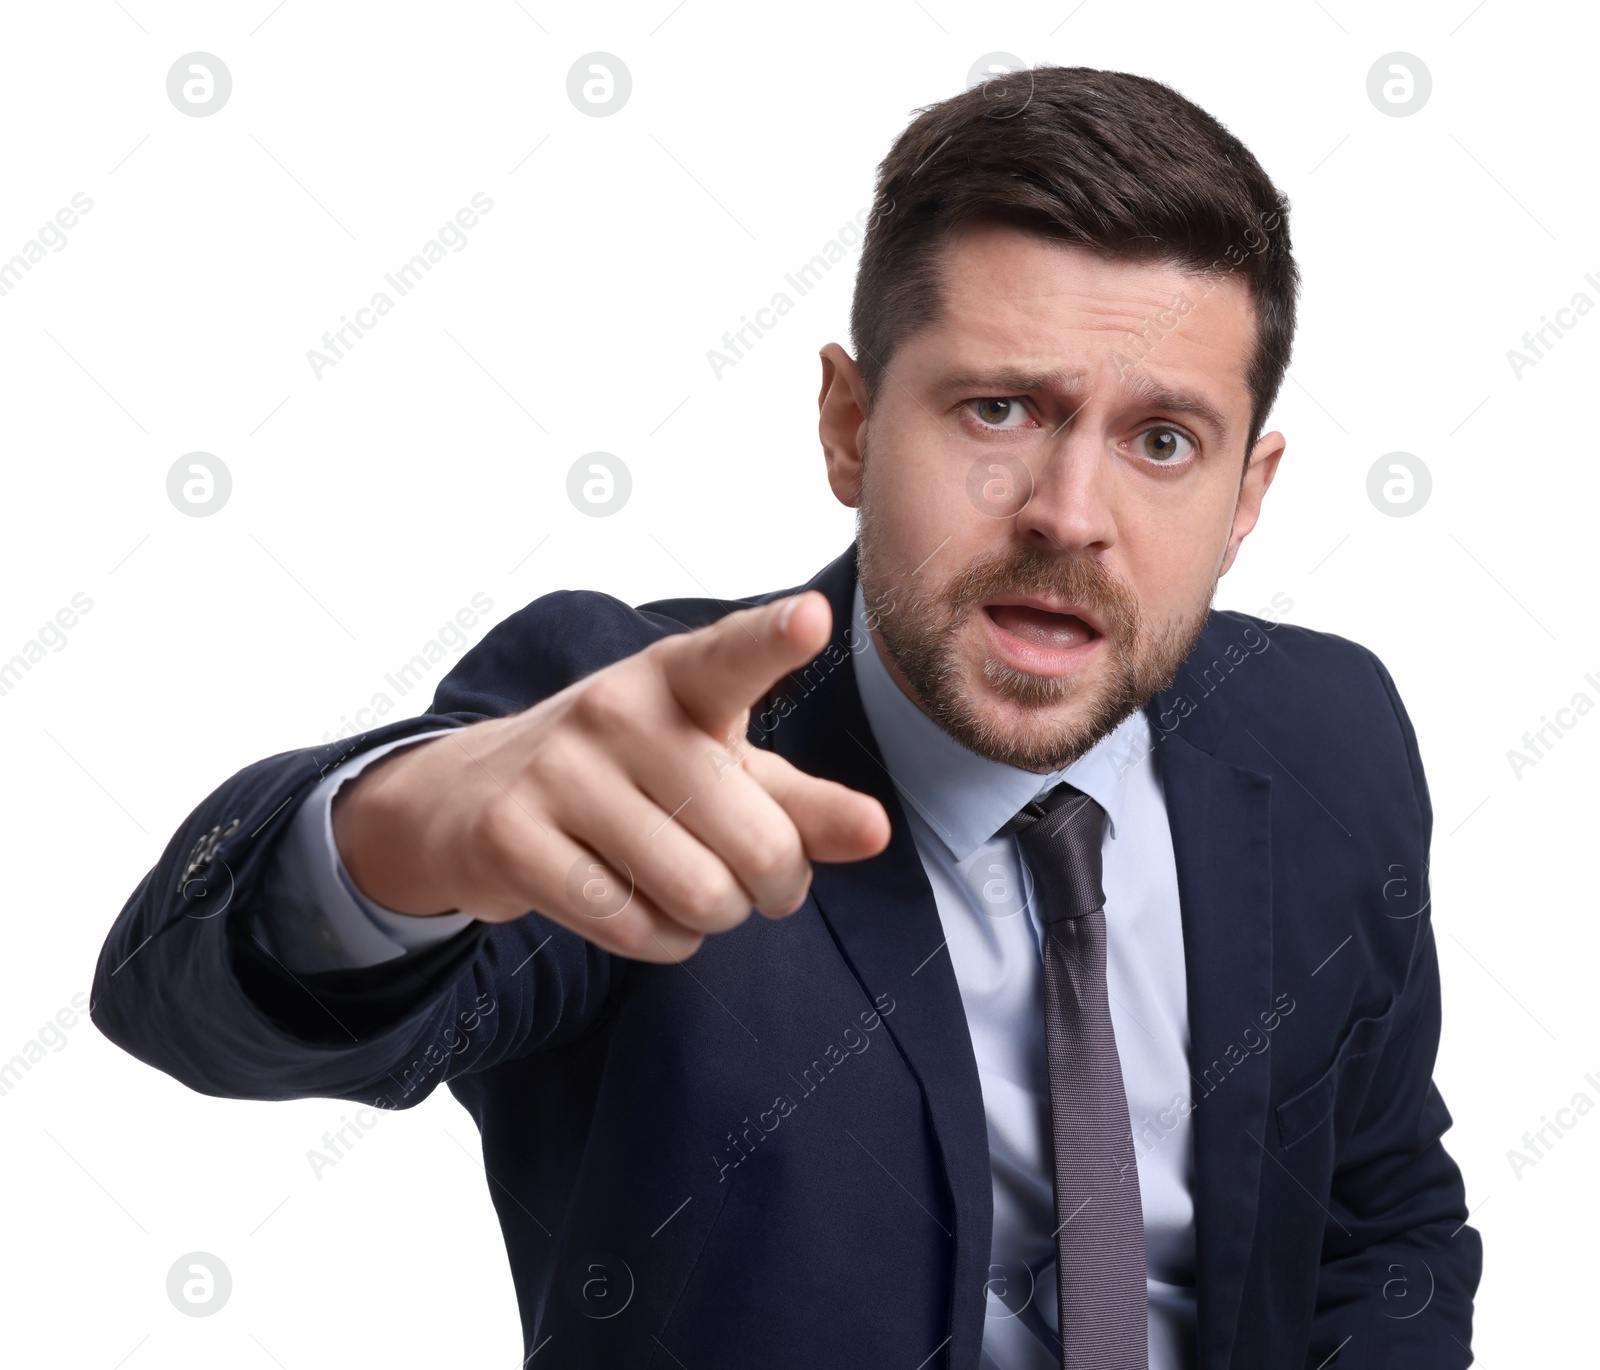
<point x="315" y="916"/>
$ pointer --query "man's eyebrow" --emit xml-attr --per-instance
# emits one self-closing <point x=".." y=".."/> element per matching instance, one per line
<point x="1143" y="388"/>
<point x="1173" y="400"/>
<point x="1004" y="380"/>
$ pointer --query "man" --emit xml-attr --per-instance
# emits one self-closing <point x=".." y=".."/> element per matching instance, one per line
<point x="1092" y="1010"/>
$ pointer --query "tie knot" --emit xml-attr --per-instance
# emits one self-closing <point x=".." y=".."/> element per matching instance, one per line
<point x="1060" y="837"/>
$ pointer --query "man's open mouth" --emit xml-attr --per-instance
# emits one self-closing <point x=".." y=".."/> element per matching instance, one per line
<point x="1045" y="624"/>
<point x="1039" y="636"/>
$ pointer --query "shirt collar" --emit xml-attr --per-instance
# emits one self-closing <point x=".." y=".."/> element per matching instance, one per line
<point x="965" y="798"/>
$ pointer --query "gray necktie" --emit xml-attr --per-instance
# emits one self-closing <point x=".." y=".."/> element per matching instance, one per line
<point x="1100" y="1260"/>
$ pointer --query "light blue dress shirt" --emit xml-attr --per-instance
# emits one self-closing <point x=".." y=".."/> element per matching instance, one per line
<point x="955" y="801"/>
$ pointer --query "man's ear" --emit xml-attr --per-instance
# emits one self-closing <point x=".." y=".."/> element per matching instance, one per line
<point x="1258" y="474"/>
<point x="841" y="423"/>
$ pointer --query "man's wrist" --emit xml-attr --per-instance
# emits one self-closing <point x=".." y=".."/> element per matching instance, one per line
<point x="381" y="857"/>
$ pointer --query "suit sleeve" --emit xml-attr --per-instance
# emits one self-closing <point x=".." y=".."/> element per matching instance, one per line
<point x="1400" y="1263"/>
<point x="185" y="983"/>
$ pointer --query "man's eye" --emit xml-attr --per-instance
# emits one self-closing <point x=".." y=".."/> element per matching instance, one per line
<point x="1163" y="445"/>
<point x="1000" y="413"/>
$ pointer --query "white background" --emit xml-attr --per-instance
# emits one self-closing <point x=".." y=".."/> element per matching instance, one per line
<point x="372" y="503"/>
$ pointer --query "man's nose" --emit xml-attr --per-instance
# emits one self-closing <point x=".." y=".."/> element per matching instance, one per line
<point x="1070" y="506"/>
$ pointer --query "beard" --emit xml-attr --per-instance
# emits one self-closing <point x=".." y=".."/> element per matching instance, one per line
<point x="921" y="634"/>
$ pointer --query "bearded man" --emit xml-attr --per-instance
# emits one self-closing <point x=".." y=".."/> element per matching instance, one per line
<point x="1091" y="1013"/>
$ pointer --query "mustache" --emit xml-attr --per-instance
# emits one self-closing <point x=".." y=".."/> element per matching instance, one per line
<point x="1076" y="578"/>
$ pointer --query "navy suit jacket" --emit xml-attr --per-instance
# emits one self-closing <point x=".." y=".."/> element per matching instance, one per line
<point x="775" y="1153"/>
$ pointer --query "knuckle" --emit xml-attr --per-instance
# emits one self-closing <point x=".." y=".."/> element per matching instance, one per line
<point x="711" y="904"/>
<point x="661" y="651"/>
<point x="605" y="702"/>
<point x="498" y="862"/>
<point x="559" y="761"/>
<point x="775" y="860"/>
<point x="497" y="828"/>
<point x="632" y="936"/>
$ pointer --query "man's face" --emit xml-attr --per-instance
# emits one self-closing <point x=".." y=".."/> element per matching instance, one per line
<point x="1047" y="504"/>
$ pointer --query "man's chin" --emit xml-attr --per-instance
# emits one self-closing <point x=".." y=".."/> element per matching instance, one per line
<point x="1034" y="722"/>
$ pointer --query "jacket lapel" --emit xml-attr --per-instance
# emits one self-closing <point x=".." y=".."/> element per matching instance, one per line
<point x="883" y="916"/>
<point x="1220" y="816"/>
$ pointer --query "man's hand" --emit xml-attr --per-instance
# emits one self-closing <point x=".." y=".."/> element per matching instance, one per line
<point x="627" y="808"/>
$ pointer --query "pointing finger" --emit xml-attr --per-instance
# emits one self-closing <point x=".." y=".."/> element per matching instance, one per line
<point x="716" y="673"/>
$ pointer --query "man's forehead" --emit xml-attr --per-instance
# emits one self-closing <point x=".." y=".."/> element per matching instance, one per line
<point x="1008" y="277"/>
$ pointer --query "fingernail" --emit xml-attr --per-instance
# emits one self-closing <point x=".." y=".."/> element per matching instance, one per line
<point x="787" y="612"/>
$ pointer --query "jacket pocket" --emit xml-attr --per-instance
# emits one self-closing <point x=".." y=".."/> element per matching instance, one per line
<point x="1340" y="1090"/>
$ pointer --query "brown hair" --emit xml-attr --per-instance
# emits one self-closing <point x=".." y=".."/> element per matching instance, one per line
<point x="1106" y="160"/>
